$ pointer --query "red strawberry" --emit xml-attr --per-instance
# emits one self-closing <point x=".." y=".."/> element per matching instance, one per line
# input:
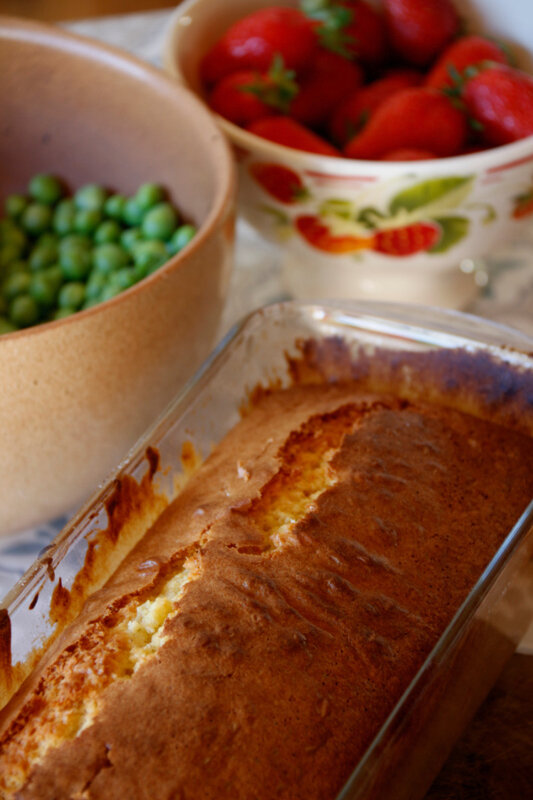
<point x="351" y="115"/>
<point x="421" y="118"/>
<point x="245" y="96"/>
<point x="420" y="29"/>
<point x="281" y="182"/>
<point x="318" y="235"/>
<point x="408" y="154"/>
<point x="350" y="27"/>
<point x="232" y="99"/>
<point x="407" y="240"/>
<point x="330" y="78"/>
<point x="465" y="52"/>
<point x="253" y="41"/>
<point x="290" y="133"/>
<point x="500" y="99"/>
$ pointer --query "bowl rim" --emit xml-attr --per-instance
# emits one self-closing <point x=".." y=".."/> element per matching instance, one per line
<point x="47" y="35"/>
<point x="507" y="155"/>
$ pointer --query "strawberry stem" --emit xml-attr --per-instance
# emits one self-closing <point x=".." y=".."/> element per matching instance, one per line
<point x="455" y="91"/>
<point x="333" y="19"/>
<point x="475" y="124"/>
<point x="278" y="88"/>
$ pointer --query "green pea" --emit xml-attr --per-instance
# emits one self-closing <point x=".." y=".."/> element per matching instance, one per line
<point x="6" y="326"/>
<point x="11" y="233"/>
<point x="130" y="237"/>
<point x="8" y="254"/>
<point x="94" y="286"/>
<point x="86" y="220"/>
<point x="45" y="189"/>
<point x="36" y="218"/>
<point x="122" y="278"/>
<point x="91" y="197"/>
<point x="75" y="263"/>
<point x="48" y="239"/>
<point x="15" y="205"/>
<point x="92" y="301"/>
<point x="109" y="257"/>
<point x="6" y="224"/>
<point x="42" y="256"/>
<point x="61" y="313"/>
<point x="15" y="266"/>
<point x="148" y="195"/>
<point x="150" y="255"/>
<point x="79" y="254"/>
<point x="64" y="205"/>
<point x="54" y="275"/>
<point x="15" y="285"/>
<point x="159" y="222"/>
<point x="24" y="311"/>
<point x="114" y="206"/>
<point x="76" y="240"/>
<point x="43" y="289"/>
<point x="108" y="231"/>
<point x="109" y="292"/>
<point x="64" y="216"/>
<point x="140" y="271"/>
<point x="71" y="295"/>
<point x="14" y="236"/>
<point x="132" y="213"/>
<point x="156" y="265"/>
<point x="180" y="238"/>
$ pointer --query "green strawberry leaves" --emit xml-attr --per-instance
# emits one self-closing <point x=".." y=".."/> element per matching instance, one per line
<point x="279" y="87"/>
<point x="333" y="19"/>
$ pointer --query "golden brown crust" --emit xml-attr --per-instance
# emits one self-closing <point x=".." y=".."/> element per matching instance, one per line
<point x="294" y="643"/>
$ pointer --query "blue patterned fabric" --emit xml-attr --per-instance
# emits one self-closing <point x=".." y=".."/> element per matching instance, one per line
<point x="19" y="551"/>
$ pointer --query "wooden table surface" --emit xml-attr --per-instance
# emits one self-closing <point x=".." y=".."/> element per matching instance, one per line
<point x="494" y="758"/>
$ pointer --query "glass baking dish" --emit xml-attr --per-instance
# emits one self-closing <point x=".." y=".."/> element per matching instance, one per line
<point x="473" y="363"/>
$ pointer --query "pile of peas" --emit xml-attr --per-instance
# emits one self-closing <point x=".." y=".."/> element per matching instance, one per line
<point x="60" y="254"/>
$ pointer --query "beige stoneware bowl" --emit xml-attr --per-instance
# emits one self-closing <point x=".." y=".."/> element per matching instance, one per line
<point x="76" y="393"/>
<point x="461" y="208"/>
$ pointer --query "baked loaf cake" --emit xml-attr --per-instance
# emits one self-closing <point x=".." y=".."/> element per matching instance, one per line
<point x="253" y="643"/>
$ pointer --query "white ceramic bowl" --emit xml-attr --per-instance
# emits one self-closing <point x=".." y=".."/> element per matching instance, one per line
<point x="78" y="392"/>
<point x="471" y="199"/>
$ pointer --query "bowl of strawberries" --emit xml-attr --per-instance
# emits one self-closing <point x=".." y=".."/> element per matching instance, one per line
<point x="387" y="146"/>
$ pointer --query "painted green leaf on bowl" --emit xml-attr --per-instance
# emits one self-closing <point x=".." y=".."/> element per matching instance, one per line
<point x="370" y="217"/>
<point x="453" y="230"/>
<point x="344" y="209"/>
<point x="433" y="196"/>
